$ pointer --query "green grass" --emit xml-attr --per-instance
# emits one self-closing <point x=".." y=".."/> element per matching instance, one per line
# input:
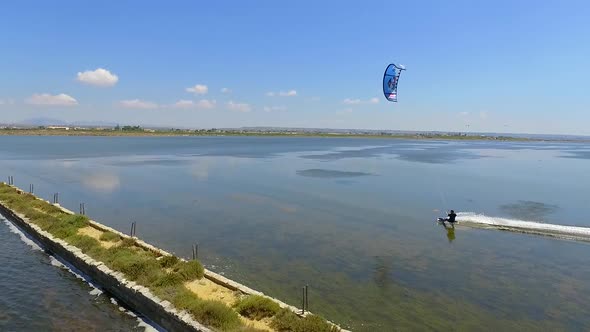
<point x="286" y="320"/>
<point x="168" y="261"/>
<point x="127" y="242"/>
<point x="160" y="133"/>
<point x="163" y="275"/>
<point x="109" y="237"/>
<point x="212" y="313"/>
<point x="256" y="307"/>
<point x="189" y="270"/>
<point x="83" y="242"/>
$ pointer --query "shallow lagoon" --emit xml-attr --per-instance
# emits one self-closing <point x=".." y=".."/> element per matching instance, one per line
<point x="351" y="217"/>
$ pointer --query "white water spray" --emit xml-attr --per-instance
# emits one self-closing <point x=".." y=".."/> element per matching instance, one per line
<point x="474" y="219"/>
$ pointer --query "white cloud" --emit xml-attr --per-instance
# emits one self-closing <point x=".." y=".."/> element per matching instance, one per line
<point x="225" y="90"/>
<point x="6" y="102"/>
<point x="483" y="115"/>
<point x="184" y="104"/>
<point x="138" y="104"/>
<point x="238" y="107"/>
<point x="206" y="104"/>
<point x="46" y="99"/>
<point x="201" y="104"/>
<point x="464" y="113"/>
<point x="290" y="93"/>
<point x="349" y="101"/>
<point x="99" y="77"/>
<point x="198" y="89"/>
<point x="274" y="108"/>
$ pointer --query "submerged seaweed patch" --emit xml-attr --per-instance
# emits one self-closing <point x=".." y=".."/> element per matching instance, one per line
<point x="529" y="210"/>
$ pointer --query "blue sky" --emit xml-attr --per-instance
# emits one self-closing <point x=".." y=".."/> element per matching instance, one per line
<point x="503" y="66"/>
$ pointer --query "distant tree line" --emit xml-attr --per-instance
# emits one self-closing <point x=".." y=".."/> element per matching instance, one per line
<point x="128" y="128"/>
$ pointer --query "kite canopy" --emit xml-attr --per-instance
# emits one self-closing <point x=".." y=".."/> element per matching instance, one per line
<point x="390" y="80"/>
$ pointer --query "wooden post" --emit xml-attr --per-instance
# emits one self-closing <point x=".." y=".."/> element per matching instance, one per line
<point x="306" y="299"/>
<point x="303" y="300"/>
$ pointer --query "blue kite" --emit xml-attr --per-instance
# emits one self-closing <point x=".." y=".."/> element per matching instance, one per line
<point x="390" y="80"/>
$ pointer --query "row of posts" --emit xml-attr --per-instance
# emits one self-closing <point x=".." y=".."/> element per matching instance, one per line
<point x="195" y="247"/>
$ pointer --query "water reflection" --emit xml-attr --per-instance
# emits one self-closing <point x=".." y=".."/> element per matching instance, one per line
<point x="438" y="154"/>
<point x="199" y="169"/>
<point x="101" y="182"/>
<point x="577" y="155"/>
<point x="451" y="233"/>
<point x="261" y="214"/>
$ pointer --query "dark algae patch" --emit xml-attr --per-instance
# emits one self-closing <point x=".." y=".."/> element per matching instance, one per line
<point x="529" y="210"/>
<point x="164" y="275"/>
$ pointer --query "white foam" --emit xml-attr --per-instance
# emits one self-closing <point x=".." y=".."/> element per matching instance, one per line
<point x="141" y="322"/>
<point x="147" y="327"/>
<point x="96" y="291"/>
<point x="522" y="225"/>
<point x="23" y="236"/>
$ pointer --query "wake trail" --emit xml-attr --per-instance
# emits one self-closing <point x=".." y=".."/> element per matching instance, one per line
<point x="523" y="226"/>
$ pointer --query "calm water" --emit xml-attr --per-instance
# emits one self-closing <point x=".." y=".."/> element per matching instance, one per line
<point x="353" y="218"/>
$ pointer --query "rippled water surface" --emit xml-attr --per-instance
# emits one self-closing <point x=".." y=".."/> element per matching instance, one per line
<point x="39" y="294"/>
<point x="352" y="218"/>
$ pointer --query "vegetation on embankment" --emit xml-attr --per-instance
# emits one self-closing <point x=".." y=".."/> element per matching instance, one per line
<point x="138" y="131"/>
<point x="166" y="276"/>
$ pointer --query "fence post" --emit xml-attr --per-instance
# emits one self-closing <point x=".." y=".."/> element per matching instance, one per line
<point x="303" y="300"/>
<point x="306" y="299"/>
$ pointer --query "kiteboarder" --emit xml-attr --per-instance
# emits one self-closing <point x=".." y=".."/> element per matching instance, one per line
<point x="451" y="219"/>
